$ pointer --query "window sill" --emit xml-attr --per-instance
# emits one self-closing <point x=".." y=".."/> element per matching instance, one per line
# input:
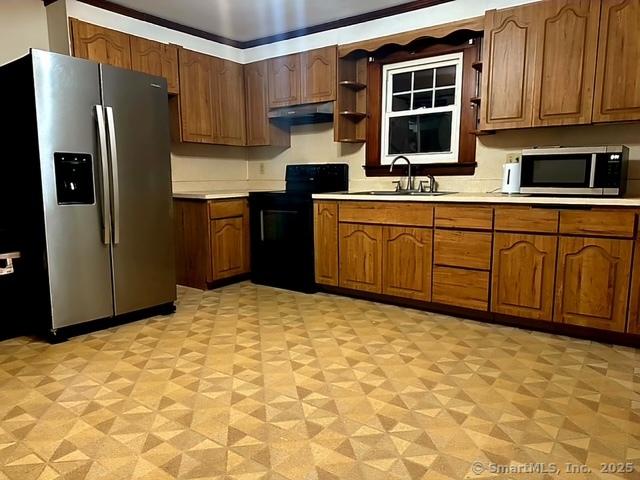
<point x="436" y="169"/>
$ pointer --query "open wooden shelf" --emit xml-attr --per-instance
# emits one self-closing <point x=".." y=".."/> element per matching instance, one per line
<point x="352" y="85"/>
<point x="353" y="115"/>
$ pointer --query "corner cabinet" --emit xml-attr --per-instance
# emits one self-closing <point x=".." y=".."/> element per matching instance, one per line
<point x="228" y="102"/>
<point x="100" y="44"/>
<point x="593" y="278"/>
<point x="617" y="91"/>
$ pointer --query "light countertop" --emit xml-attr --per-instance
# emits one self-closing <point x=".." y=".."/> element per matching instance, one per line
<point x="470" y="197"/>
<point x="210" y="195"/>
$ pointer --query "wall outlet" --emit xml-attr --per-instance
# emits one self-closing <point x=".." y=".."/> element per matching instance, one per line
<point x="513" y="158"/>
<point x="261" y="168"/>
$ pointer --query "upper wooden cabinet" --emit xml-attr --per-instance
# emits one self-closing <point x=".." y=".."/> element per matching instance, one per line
<point x="228" y="102"/>
<point x="617" y="91"/>
<point x="318" y="69"/>
<point x="284" y="81"/>
<point x="566" y="62"/>
<point x="307" y="77"/>
<point x="592" y="282"/>
<point x="100" y="44"/>
<point x="261" y="131"/>
<point x="509" y="67"/>
<point x="156" y="58"/>
<point x="196" y="98"/>
<point x="523" y="275"/>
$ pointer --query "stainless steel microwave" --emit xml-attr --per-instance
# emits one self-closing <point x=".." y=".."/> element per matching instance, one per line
<point x="592" y="171"/>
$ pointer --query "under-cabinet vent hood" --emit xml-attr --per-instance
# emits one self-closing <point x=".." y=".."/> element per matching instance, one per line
<point x="303" y="114"/>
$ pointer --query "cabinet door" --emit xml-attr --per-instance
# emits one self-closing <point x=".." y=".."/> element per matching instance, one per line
<point x="508" y="65"/>
<point x="260" y="131"/>
<point x="195" y="97"/>
<point x="361" y="257"/>
<point x="326" y="242"/>
<point x="318" y="69"/>
<point x="284" y="81"/>
<point x="100" y="44"/>
<point x="228" y="102"/>
<point x="227" y="247"/>
<point x="156" y="58"/>
<point x="566" y="62"/>
<point x="523" y="275"/>
<point x="593" y="282"/>
<point x="633" y="325"/>
<point x="617" y="94"/>
<point x="407" y="262"/>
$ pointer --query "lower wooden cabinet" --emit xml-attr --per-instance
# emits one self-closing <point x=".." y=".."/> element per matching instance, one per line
<point x="361" y="257"/>
<point x="592" y="282"/>
<point x="461" y="287"/>
<point x="406" y="257"/>
<point x="325" y="215"/>
<point x="523" y="275"/>
<point x="633" y="323"/>
<point x="212" y="240"/>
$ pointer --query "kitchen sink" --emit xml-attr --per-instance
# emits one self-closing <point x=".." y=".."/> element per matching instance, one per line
<point x="403" y="192"/>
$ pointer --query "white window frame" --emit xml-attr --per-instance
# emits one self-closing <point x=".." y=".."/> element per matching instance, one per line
<point x="387" y="96"/>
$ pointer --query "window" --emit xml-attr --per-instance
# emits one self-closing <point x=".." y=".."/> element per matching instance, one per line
<point x="421" y="109"/>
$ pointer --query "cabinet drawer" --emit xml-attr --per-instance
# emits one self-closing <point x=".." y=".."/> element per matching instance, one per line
<point x="605" y="223"/>
<point x="526" y="219"/>
<point x="387" y="213"/>
<point x="463" y="216"/>
<point x="462" y="288"/>
<point x="226" y="208"/>
<point x="456" y="248"/>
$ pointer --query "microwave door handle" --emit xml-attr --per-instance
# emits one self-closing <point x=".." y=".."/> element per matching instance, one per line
<point x="104" y="175"/>
<point x="592" y="174"/>
<point x="113" y="147"/>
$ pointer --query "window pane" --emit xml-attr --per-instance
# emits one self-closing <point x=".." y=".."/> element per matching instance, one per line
<point x="445" y="97"/>
<point x="429" y="133"/>
<point x="401" y="102"/>
<point x="423" y="100"/>
<point x="446" y="76"/>
<point x="402" y="82"/>
<point x="435" y="132"/>
<point x="424" y="79"/>
<point x="403" y="135"/>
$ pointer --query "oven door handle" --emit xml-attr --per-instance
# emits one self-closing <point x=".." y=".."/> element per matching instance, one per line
<point x="262" y="225"/>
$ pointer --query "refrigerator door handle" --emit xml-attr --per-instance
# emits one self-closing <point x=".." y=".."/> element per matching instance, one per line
<point x="113" y="147"/>
<point x="104" y="163"/>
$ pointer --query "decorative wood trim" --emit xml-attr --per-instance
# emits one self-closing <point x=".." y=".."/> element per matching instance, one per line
<point x="475" y="24"/>
<point x="343" y="22"/>
<point x="467" y="146"/>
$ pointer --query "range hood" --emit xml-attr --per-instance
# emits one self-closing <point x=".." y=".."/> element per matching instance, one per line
<point x="303" y="114"/>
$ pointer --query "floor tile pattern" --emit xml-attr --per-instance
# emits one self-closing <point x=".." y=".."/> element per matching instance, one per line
<point x="250" y="383"/>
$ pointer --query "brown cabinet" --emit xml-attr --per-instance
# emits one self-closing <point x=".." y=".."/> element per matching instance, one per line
<point x="633" y="324"/>
<point x="212" y="240"/>
<point x="284" y="81"/>
<point x="325" y="215"/>
<point x="509" y="67"/>
<point x="318" y="75"/>
<point x="592" y="282"/>
<point x="523" y="275"/>
<point x="260" y="131"/>
<point x="406" y="268"/>
<point x="617" y="91"/>
<point x="156" y="58"/>
<point x="461" y="287"/>
<point x="211" y="100"/>
<point x="360" y="253"/>
<point x="228" y="102"/>
<point x="100" y="44"/>
<point x="566" y="62"/>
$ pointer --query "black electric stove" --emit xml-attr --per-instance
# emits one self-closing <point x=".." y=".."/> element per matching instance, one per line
<point x="282" y="226"/>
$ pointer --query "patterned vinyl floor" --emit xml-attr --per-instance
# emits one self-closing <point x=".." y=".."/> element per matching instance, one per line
<point x="252" y="383"/>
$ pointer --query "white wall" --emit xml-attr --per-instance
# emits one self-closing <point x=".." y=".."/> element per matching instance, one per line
<point x="23" y="25"/>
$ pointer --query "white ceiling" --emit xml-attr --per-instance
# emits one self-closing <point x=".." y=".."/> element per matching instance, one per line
<point x="245" y="20"/>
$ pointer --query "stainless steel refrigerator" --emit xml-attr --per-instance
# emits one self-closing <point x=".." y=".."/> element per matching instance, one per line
<point x="86" y="180"/>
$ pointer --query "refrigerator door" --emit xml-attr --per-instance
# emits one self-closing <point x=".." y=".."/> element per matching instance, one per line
<point x="78" y="259"/>
<point x="138" y="128"/>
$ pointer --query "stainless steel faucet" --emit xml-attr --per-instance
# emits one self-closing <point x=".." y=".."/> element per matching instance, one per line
<point x="409" y="176"/>
<point x="432" y="183"/>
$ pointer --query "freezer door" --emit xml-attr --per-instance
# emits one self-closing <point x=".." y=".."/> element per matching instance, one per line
<point x="138" y="128"/>
<point x="78" y="258"/>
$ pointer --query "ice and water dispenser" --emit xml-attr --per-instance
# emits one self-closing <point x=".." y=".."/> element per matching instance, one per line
<point x="74" y="178"/>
